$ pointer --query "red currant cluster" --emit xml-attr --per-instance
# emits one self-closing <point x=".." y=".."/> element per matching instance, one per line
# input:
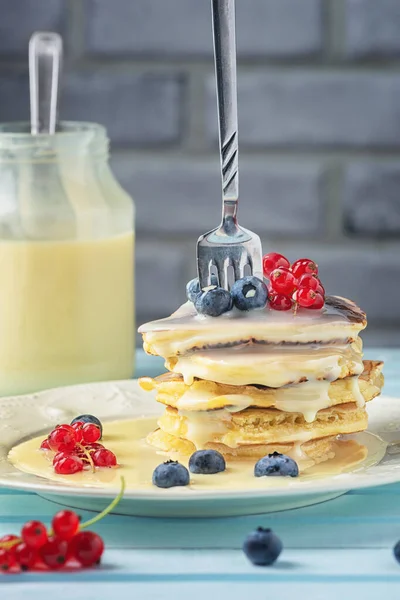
<point x="38" y="549"/>
<point x="77" y="448"/>
<point x="293" y="285"/>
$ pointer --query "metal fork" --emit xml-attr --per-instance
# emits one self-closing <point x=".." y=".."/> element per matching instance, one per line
<point x="229" y="251"/>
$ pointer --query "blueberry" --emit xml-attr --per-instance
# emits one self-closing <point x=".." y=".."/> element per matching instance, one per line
<point x="262" y="547"/>
<point x="213" y="302"/>
<point x="275" y="465"/>
<point x="207" y="462"/>
<point x="89" y="419"/>
<point x="396" y="552"/>
<point x="193" y="287"/>
<point x="170" y="474"/>
<point x="249" y="292"/>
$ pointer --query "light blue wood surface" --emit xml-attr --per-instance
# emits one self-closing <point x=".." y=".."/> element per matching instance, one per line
<point x="338" y="549"/>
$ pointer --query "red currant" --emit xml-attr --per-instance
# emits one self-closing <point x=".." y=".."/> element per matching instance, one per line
<point x="87" y="548"/>
<point x="7" y="560"/>
<point x="318" y="302"/>
<point x="302" y="266"/>
<point x="304" y="297"/>
<point x="65" y="524"/>
<point x="54" y="553"/>
<point x="283" y="281"/>
<point x="59" y="455"/>
<point x="77" y="427"/>
<point x="68" y="465"/>
<point x="272" y="261"/>
<point x="25" y="556"/>
<point x="34" y="534"/>
<point x="309" y="281"/>
<point x="91" y="433"/>
<point x="94" y="446"/>
<point x="320" y="289"/>
<point x="62" y="439"/>
<point x="104" y="458"/>
<point x="6" y="539"/>
<point x="45" y="445"/>
<point x="280" y="302"/>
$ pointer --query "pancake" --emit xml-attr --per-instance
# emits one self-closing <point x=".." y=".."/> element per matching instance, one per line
<point x="340" y="321"/>
<point x="261" y="425"/>
<point x="207" y="395"/>
<point x="271" y="366"/>
<point x="317" y="450"/>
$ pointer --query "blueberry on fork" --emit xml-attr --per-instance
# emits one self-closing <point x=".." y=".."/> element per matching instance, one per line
<point x="249" y="292"/>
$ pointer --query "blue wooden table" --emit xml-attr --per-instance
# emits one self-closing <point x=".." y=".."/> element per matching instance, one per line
<point x="338" y="549"/>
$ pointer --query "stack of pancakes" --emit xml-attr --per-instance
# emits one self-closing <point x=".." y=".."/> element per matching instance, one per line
<point x="248" y="384"/>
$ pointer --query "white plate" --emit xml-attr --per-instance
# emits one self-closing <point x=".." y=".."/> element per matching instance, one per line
<point x="24" y="417"/>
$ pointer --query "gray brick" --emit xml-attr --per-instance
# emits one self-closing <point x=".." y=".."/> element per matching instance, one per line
<point x="311" y="108"/>
<point x="270" y="27"/>
<point x="371" y="197"/>
<point x="358" y="272"/>
<point x="160" y="279"/>
<point x="183" y="196"/>
<point x="20" y="18"/>
<point x="142" y="108"/>
<point x="372" y="27"/>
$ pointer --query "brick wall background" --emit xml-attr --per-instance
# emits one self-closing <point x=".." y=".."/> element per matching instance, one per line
<point x="319" y="104"/>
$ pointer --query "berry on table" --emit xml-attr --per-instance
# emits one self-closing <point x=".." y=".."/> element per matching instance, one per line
<point x="63" y="542"/>
<point x="63" y="438"/>
<point x="280" y="302"/>
<point x="273" y="261"/>
<point x="54" y="553"/>
<point x="302" y="266"/>
<point x="34" y="534"/>
<point x="26" y="556"/>
<point x="87" y="548"/>
<point x="65" y="524"/>
<point x="104" y="458"/>
<point x="276" y="464"/>
<point x="68" y="465"/>
<point x="305" y="297"/>
<point x="283" y="281"/>
<point x="193" y="287"/>
<point x="396" y="552"/>
<point x="90" y="433"/>
<point x="170" y="474"/>
<point x="89" y="419"/>
<point x="6" y="539"/>
<point x="262" y="547"/>
<point x="7" y="560"/>
<point x="214" y="302"/>
<point x="207" y="462"/>
<point x="249" y="293"/>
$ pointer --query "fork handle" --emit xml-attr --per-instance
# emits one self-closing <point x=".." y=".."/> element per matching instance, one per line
<point x="223" y="18"/>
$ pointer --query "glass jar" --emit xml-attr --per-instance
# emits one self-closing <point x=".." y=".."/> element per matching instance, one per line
<point x="66" y="260"/>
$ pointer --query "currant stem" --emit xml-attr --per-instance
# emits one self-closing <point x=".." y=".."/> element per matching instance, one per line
<point x="107" y="510"/>
<point x="87" y="453"/>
